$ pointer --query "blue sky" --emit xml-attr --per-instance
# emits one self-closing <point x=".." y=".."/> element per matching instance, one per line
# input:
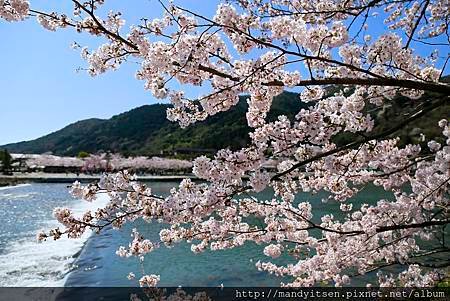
<point x="40" y="90"/>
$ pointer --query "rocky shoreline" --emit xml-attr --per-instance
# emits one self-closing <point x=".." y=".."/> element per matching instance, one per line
<point x="9" y="182"/>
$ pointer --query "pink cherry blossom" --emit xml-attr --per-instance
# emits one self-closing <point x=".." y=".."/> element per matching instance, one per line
<point x="348" y="69"/>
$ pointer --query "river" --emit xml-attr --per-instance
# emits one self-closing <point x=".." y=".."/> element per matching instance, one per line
<point x="91" y="260"/>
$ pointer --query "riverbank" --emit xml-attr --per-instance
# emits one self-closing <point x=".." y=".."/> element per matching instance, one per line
<point x="8" y="182"/>
<point x="39" y="177"/>
<point x="92" y="261"/>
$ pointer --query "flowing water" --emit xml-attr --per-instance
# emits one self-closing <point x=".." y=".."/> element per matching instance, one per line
<point x="25" y="209"/>
<point x="91" y="260"/>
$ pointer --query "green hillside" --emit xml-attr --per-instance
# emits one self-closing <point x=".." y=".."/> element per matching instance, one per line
<point x="145" y="130"/>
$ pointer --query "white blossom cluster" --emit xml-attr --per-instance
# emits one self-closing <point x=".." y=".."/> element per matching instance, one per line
<point x="116" y="162"/>
<point x="104" y="162"/>
<point x="14" y="10"/>
<point x="347" y="68"/>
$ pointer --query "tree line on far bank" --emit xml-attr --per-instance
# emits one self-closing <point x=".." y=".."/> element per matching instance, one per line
<point x="5" y="162"/>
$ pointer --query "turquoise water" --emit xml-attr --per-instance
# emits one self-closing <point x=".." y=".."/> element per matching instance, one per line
<point x="177" y="265"/>
<point x="98" y="264"/>
<point x="91" y="261"/>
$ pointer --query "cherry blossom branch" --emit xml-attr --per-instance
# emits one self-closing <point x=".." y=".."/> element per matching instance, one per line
<point x="351" y="145"/>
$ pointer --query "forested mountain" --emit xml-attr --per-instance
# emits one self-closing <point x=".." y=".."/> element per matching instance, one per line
<point x="146" y="131"/>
